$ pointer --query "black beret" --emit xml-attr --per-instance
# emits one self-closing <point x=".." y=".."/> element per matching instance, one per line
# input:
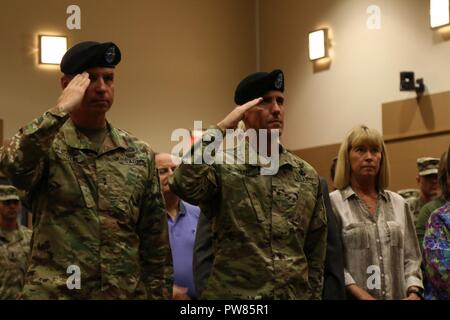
<point x="90" y="54"/>
<point x="257" y="84"/>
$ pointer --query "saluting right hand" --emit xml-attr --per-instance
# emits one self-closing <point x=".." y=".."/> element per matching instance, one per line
<point x="232" y="119"/>
<point x="73" y="94"/>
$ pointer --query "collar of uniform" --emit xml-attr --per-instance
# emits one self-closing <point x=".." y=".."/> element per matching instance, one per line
<point x="2" y="235"/>
<point x="348" y="192"/>
<point x="20" y="235"/>
<point x="253" y="154"/>
<point x="231" y="155"/>
<point x="288" y="158"/>
<point x="114" y="140"/>
<point x="285" y="157"/>
<point x="13" y="235"/>
<point x="73" y="138"/>
<point x="76" y="140"/>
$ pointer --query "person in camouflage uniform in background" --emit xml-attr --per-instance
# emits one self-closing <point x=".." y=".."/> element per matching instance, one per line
<point x="427" y="180"/>
<point x="14" y="244"/>
<point x="100" y="229"/>
<point x="269" y="230"/>
<point x="426" y="211"/>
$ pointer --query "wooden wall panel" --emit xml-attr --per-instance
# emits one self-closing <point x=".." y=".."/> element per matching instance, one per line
<point x="416" y="117"/>
<point x="1" y="141"/>
<point x="403" y="155"/>
<point x="415" y="128"/>
<point x="320" y="158"/>
<point x="412" y="128"/>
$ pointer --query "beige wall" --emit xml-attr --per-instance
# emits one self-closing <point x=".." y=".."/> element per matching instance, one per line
<point x="412" y="128"/>
<point x="181" y="59"/>
<point x="365" y="64"/>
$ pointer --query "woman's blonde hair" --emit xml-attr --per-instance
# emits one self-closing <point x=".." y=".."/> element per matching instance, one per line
<point x="357" y="136"/>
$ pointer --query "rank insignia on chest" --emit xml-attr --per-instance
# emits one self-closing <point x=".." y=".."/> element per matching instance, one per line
<point x="133" y="162"/>
<point x="130" y="152"/>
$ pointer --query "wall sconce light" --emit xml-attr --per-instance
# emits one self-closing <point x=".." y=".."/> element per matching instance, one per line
<point x="52" y="49"/>
<point x="439" y="13"/>
<point x="318" y="47"/>
<point x="407" y="83"/>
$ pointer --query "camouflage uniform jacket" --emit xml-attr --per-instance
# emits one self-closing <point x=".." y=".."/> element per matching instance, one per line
<point x="14" y="253"/>
<point x="269" y="231"/>
<point x="415" y="204"/>
<point x="102" y="212"/>
<point x="424" y="216"/>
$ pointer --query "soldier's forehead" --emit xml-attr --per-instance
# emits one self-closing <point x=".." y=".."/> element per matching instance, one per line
<point x="431" y="175"/>
<point x="164" y="160"/>
<point x="166" y="164"/>
<point x="273" y="93"/>
<point x="100" y="70"/>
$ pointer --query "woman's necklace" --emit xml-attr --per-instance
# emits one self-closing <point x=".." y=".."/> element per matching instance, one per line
<point x="370" y="201"/>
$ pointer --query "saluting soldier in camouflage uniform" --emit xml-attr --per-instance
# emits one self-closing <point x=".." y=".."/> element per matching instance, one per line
<point x="14" y="244"/>
<point x="269" y="230"/>
<point x="427" y="181"/>
<point x="100" y="229"/>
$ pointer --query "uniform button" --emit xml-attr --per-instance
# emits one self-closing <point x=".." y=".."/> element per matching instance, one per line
<point x="380" y="257"/>
<point x="382" y="275"/>
<point x="378" y="240"/>
<point x="384" y="293"/>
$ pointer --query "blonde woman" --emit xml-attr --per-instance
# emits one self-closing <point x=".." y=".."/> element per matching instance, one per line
<point x="381" y="251"/>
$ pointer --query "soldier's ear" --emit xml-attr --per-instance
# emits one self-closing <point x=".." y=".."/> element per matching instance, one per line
<point x="243" y="124"/>
<point x="65" y="80"/>
<point x="245" y="118"/>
